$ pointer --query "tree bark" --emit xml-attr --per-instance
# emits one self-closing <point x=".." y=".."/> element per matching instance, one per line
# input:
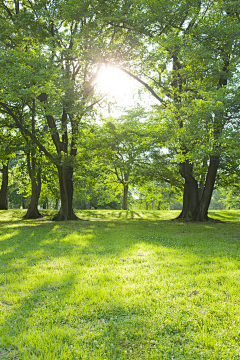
<point x="125" y="194"/>
<point x="56" y="204"/>
<point x="194" y="207"/>
<point x="201" y="213"/>
<point x="35" y="176"/>
<point x="65" y="175"/>
<point x="4" y="188"/>
<point x="190" y="193"/>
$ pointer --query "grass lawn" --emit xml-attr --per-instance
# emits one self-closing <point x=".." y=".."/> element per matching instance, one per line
<point x="124" y="285"/>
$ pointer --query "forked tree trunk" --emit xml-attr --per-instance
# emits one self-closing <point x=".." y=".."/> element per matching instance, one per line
<point x="4" y="188"/>
<point x="125" y="195"/>
<point x="201" y="213"/>
<point x="195" y="208"/>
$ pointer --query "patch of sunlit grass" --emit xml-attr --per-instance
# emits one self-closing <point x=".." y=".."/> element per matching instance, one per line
<point x="114" y="288"/>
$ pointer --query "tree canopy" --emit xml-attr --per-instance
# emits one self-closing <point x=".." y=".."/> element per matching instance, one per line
<point x="185" y="54"/>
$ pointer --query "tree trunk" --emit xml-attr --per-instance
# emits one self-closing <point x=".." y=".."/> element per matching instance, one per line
<point x="159" y="205"/>
<point x="125" y="194"/>
<point x="65" y="175"/>
<point x="4" y="188"/>
<point x="56" y="204"/>
<point x="201" y="213"/>
<point x="190" y="193"/>
<point x="195" y="208"/>
<point x="35" y="176"/>
<point x="88" y="205"/>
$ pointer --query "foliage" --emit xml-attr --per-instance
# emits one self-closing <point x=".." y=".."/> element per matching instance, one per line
<point x="185" y="53"/>
<point x="157" y="196"/>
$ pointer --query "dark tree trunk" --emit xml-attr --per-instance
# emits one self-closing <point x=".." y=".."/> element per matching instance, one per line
<point x="146" y="205"/>
<point x="4" y="188"/>
<point x="44" y="206"/>
<point x="125" y="195"/>
<point x="34" y="172"/>
<point x="195" y="207"/>
<point x="56" y="204"/>
<point x="65" y="175"/>
<point x="201" y="213"/>
<point x="88" y="206"/>
<point x="32" y="212"/>
<point x="159" y="205"/>
<point x="190" y="193"/>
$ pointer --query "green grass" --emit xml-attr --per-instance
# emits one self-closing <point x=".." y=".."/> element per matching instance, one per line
<point x="124" y="285"/>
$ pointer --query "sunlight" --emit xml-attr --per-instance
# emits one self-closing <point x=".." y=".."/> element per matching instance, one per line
<point x="121" y="89"/>
<point x="112" y="80"/>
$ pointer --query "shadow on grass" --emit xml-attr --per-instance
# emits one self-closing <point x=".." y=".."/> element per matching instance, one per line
<point x="227" y="215"/>
<point x="66" y="250"/>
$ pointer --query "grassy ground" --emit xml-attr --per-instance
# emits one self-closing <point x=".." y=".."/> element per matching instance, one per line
<point x="124" y="285"/>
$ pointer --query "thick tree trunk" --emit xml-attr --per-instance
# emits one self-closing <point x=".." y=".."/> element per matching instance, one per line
<point x="190" y="193"/>
<point x="195" y="208"/>
<point x="125" y="195"/>
<point x="4" y="188"/>
<point x="201" y="213"/>
<point x="65" y="175"/>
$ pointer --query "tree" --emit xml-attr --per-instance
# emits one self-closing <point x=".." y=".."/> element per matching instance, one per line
<point x="189" y="55"/>
<point x="118" y="150"/>
<point x="65" y="39"/>
<point x="9" y="142"/>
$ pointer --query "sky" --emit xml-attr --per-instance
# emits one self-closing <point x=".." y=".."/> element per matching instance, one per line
<point x="122" y="90"/>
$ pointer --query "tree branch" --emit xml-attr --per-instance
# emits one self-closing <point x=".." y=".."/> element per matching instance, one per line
<point x="28" y="133"/>
<point x="139" y="80"/>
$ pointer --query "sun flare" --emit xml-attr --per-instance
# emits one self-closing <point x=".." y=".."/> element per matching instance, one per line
<point x="113" y="81"/>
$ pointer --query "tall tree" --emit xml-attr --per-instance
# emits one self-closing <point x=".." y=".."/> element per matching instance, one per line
<point x="65" y="39"/>
<point x="190" y="53"/>
<point x="9" y="143"/>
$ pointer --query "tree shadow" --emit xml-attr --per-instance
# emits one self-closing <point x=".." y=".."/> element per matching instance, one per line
<point x="55" y="255"/>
